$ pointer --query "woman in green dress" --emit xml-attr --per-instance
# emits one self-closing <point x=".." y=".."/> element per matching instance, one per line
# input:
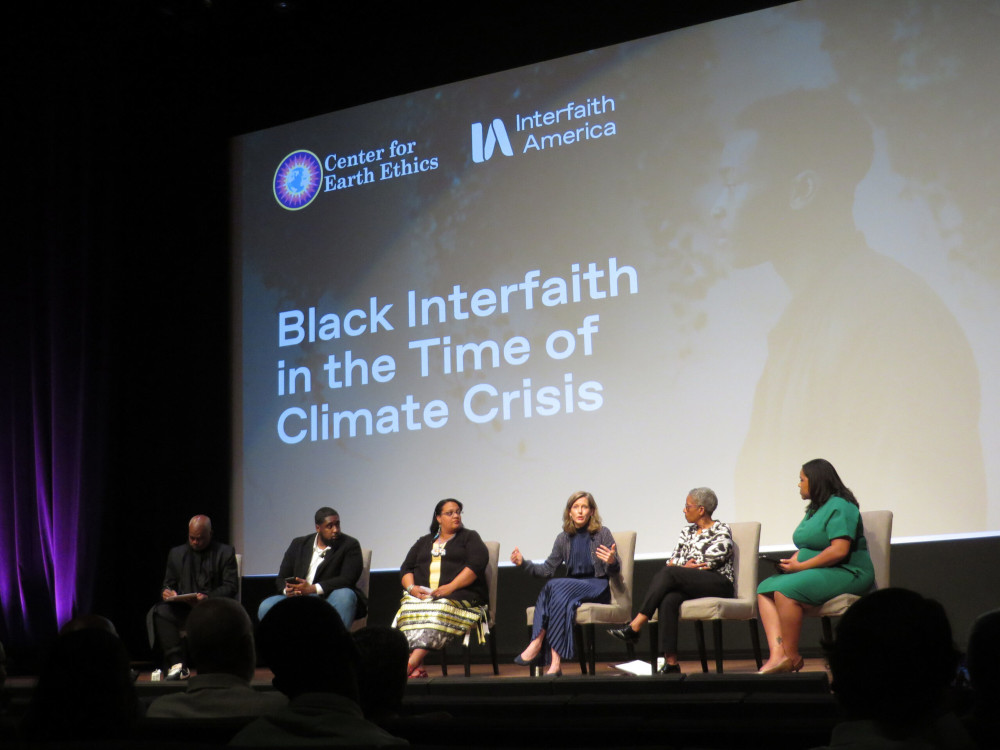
<point x="832" y="559"/>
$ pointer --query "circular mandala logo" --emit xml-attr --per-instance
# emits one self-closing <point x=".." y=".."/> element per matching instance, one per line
<point x="297" y="180"/>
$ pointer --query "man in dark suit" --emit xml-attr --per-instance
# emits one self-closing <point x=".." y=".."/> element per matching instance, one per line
<point x="326" y="564"/>
<point x="196" y="571"/>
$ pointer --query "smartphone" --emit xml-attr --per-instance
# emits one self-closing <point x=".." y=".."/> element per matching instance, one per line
<point x="291" y="581"/>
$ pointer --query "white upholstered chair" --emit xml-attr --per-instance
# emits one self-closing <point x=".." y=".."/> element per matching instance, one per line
<point x="491" y="583"/>
<point x="589" y="615"/>
<point x="363" y="581"/>
<point x="742" y="606"/>
<point x="878" y="533"/>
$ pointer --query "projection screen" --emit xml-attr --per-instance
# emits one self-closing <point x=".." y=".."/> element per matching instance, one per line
<point x="696" y="259"/>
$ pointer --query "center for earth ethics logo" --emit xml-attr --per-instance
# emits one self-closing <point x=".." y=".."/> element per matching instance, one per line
<point x="297" y="180"/>
<point x="496" y="135"/>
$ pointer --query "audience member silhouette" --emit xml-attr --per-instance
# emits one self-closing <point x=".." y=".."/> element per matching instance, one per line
<point x="315" y="663"/>
<point x="893" y="661"/>
<point x="383" y="653"/>
<point x="220" y="645"/>
<point x="85" y="690"/>
<point x="85" y="622"/>
<point x="983" y="663"/>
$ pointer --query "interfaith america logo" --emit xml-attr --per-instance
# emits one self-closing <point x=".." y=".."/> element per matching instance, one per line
<point x="484" y="144"/>
<point x="297" y="180"/>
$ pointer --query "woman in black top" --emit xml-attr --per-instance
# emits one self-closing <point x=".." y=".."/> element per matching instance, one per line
<point x="444" y="577"/>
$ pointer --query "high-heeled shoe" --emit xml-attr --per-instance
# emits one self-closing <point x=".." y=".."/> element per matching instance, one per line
<point x="521" y="662"/>
<point x="785" y="665"/>
<point x="624" y="633"/>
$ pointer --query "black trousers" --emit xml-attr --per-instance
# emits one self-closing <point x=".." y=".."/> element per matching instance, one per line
<point x="168" y="622"/>
<point x="673" y="585"/>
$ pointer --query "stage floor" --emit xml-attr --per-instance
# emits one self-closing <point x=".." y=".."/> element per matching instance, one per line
<point x="606" y="669"/>
<point x="456" y="671"/>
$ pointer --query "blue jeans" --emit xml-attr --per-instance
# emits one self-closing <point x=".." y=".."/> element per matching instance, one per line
<point x="345" y="601"/>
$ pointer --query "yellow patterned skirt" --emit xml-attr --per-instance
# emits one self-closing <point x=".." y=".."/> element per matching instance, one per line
<point x="434" y="623"/>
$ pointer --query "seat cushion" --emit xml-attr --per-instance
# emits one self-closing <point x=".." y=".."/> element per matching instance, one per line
<point x="602" y="614"/>
<point x="717" y="608"/>
<point x="834" y="607"/>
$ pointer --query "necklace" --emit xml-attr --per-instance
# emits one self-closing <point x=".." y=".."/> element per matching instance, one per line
<point x="437" y="549"/>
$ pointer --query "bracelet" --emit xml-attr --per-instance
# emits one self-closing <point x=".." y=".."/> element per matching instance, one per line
<point x="409" y="588"/>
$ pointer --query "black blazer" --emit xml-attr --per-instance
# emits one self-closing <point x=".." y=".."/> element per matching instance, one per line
<point x="340" y="569"/>
<point x="183" y="564"/>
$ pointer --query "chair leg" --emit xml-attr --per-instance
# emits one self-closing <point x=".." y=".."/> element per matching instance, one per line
<point x="827" y="629"/>
<point x="468" y="660"/>
<point x="654" y="646"/>
<point x="536" y="662"/>
<point x="699" y="631"/>
<point x="444" y="662"/>
<point x="592" y="648"/>
<point x="581" y="649"/>
<point x="755" y="640"/>
<point x="491" y="638"/>
<point x="717" y="643"/>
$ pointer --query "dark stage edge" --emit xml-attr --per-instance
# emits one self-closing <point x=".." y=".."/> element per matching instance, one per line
<point x="612" y="709"/>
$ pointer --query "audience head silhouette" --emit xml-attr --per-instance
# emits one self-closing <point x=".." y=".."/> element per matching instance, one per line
<point x="220" y="638"/>
<point x="983" y="661"/>
<point x="983" y="657"/>
<point x="383" y="652"/>
<point x="85" y="689"/>
<point x="307" y="647"/>
<point x="893" y="658"/>
<point x="85" y="622"/>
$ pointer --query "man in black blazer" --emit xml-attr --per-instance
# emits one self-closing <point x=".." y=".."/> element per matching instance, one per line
<point x="326" y="564"/>
<point x="200" y="569"/>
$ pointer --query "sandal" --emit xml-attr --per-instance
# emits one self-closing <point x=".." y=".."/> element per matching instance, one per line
<point x="417" y="673"/>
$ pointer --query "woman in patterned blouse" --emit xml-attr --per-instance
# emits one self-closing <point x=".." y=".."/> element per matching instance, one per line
<point x="700" y="565"/>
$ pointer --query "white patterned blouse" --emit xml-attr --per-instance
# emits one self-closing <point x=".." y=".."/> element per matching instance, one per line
<point x="714" y="546"/>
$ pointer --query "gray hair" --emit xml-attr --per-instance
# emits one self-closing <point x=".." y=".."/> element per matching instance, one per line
<point x="706" y="498"/>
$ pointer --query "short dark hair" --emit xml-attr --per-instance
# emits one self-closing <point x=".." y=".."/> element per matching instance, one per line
<point x="328" y="665"/>
<point x="893" y="657"/>
<point x="324" y="513"/>
<point x="383" y="652"/>
<point x="220" y="638"/>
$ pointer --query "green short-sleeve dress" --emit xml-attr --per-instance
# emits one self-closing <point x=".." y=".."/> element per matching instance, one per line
<point x="836" y="519"/>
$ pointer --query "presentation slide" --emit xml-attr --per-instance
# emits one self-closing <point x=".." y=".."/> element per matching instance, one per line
<point x="697" y="259"/>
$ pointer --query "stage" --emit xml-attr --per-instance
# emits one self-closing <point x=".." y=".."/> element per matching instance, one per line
<point x="609" y="709"/>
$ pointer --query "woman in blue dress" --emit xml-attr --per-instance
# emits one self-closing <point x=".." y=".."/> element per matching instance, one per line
<point x="587" y="549"/>
<point x="832" y="559"/>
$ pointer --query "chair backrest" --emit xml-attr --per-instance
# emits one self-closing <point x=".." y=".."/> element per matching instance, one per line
<point x="366" y="570"/>
<point x="878" y="534"/>
<point x="491" y="577"/>
<point x="366" y="573"/>
<point x="746" y="547"/>
<point x="621" y="585"/>
<point x="239" y="577"/>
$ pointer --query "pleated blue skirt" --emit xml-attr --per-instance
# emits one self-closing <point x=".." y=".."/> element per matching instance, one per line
<point x="556" y="608"/>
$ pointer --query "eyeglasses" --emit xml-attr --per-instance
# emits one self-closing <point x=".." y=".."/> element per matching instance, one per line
<point x="451" y="513"/>
<point x="692" y="507"/>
